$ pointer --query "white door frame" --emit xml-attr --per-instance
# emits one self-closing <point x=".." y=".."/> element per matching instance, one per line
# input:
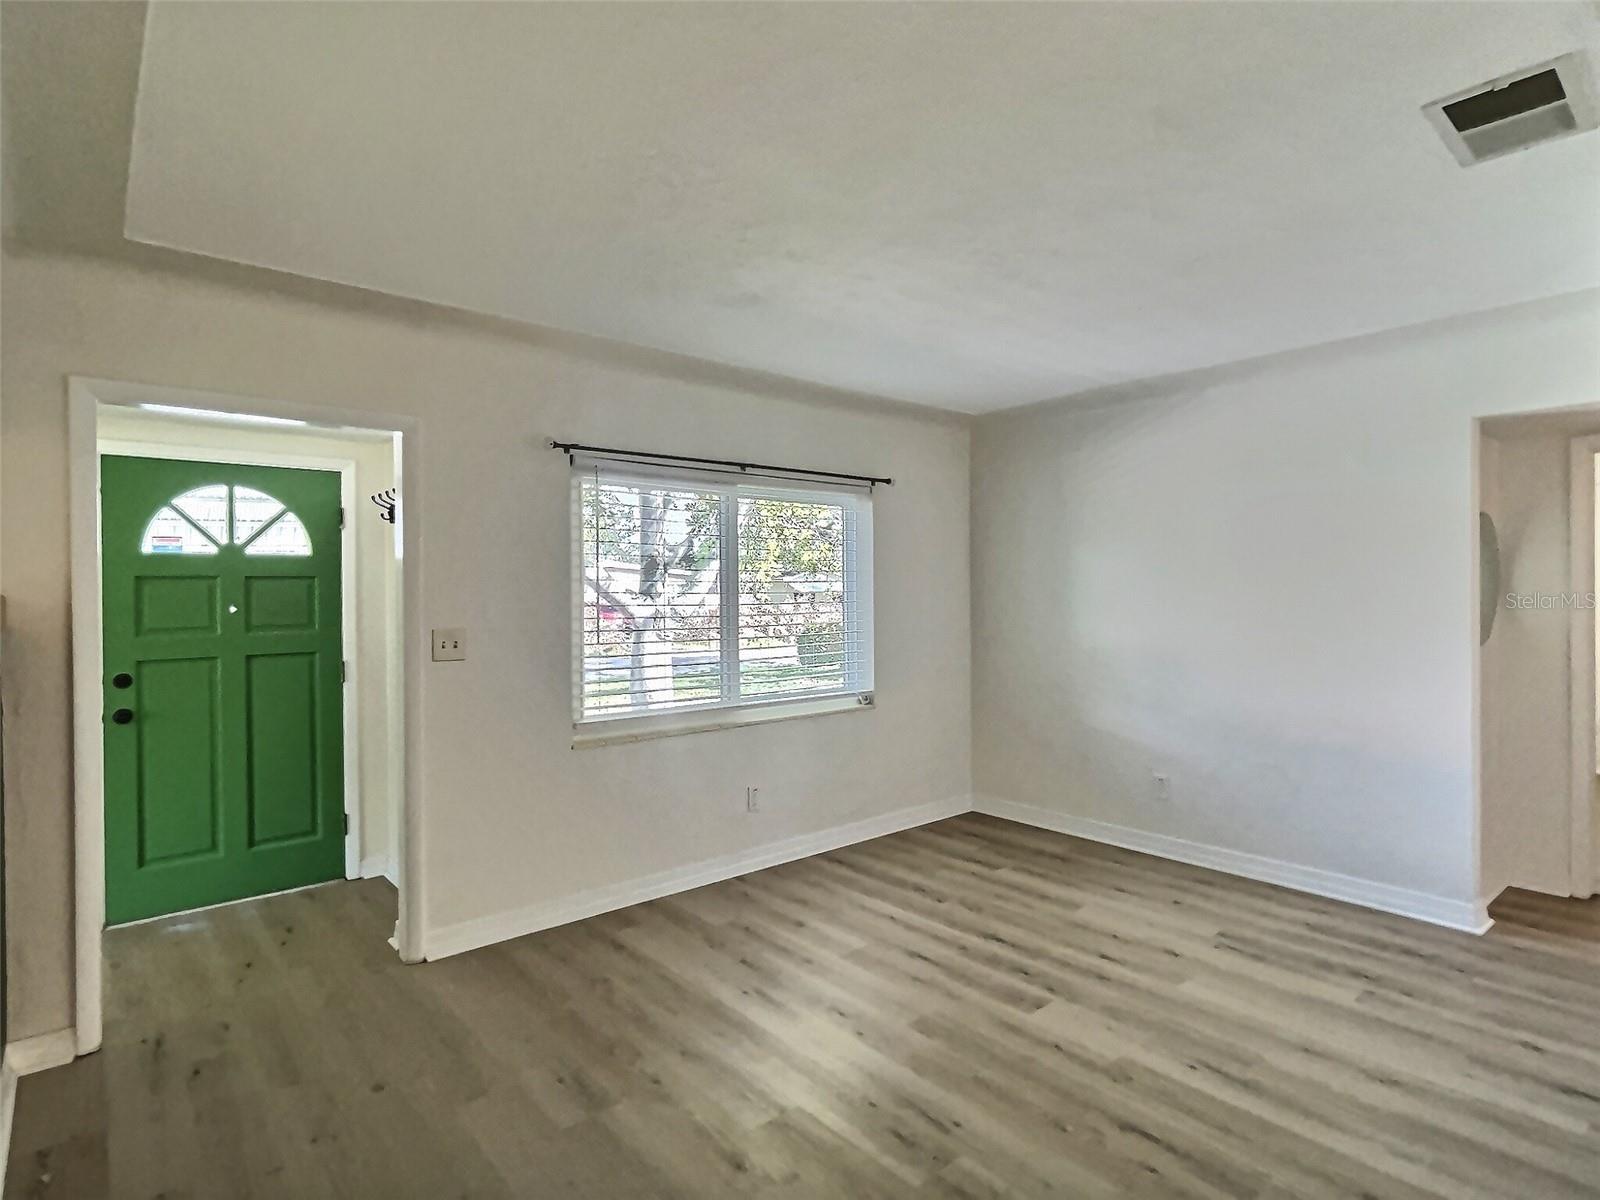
<point x="85" y="399"/>
<point x="1581" y="674"/>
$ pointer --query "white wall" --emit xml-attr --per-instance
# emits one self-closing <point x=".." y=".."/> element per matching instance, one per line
<point x="514" y="817"/>
<point x="1260" y="580"/>
<point x="376" y="578"/>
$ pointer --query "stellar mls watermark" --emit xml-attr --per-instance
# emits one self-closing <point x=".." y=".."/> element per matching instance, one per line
<point x="1566" y="601"/>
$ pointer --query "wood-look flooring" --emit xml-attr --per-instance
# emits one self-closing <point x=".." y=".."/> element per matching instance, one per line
<point x="972" y="1009"/>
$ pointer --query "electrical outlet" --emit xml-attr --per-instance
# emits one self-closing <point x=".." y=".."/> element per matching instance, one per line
<point x="1160" y="786"/>
<point x="449" y="645"/>
<point x="752" y="799"/>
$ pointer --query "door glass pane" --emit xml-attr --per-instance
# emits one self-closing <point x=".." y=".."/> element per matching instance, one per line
<point x="207" y="507"/>
<point x="285" y="536"/>
<point x="251" y="510"/>
<point x="168" y="533"/>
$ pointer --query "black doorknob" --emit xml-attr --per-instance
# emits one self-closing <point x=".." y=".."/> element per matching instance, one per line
<point x="122" y="716"/>
<point x="122" y="680"/>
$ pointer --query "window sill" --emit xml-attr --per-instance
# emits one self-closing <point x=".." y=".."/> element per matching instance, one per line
<point x="620" y="730"/>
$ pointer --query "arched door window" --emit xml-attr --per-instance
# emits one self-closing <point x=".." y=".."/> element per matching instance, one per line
<point x="204" y="519"/>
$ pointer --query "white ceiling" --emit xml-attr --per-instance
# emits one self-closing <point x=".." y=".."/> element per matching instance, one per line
<point x="969" y="206"/>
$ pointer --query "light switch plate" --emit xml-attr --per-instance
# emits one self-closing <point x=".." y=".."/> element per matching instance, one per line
<point x="449" y="645"/>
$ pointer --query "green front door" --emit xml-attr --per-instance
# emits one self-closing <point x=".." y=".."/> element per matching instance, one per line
<point x="224" y="747"/>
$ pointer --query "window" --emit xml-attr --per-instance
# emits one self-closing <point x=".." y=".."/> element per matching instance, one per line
<point x="197" y="522"/>
<point x="692" y="593"/>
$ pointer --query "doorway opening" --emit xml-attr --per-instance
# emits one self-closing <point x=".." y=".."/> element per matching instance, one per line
<point x="243" y="692"/>
<point x="1539" y="747"/>
<point x="1584" y="679"/>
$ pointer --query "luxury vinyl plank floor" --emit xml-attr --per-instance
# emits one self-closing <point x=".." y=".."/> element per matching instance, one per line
<point x="968" y="1010"/>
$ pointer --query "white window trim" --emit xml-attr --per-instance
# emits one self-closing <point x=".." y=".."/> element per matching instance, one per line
<point x="738" y="711"/>
<point x="643" y="727"/>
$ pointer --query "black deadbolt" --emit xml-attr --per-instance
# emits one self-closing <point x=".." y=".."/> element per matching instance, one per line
<point x="122" y="716"/>
<point x="122" y="680"/>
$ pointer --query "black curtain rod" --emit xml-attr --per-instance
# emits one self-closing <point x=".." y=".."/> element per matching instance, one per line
<point x="570" y="447"/>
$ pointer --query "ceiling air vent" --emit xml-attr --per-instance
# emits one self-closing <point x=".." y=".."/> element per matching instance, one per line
<point x="1515" y="111"/>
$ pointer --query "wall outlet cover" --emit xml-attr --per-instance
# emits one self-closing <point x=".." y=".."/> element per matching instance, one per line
<point x="449" y="645"/>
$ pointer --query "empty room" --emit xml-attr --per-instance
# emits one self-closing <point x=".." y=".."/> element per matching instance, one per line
<point x="799" y="600"/>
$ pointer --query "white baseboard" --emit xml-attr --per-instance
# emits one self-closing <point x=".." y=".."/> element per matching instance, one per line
<point x="378" y="867"/>
<point x="8" y="1106"/>
<point x="1471" y="916"/>
<point x="485" y="931"/>
<point x="41" y="1052"/>
<point x="23" y="1057"/>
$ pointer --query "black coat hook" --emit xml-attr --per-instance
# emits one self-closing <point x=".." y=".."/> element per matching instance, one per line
<point x="386" y="502"/>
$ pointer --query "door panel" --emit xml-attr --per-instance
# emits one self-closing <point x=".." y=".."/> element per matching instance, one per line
<point x="288" y="603"/>
<point x="281" y="745"/>
<point x="178" y="798"/>
<point x="224" y="747"/>
<point x="176" y="605"/>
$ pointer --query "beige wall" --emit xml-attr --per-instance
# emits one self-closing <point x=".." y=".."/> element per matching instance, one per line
<point x="515" y="818"/>
<point x="1259" y="580"/>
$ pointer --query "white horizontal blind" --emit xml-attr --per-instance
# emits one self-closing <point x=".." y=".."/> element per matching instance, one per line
<point x="797" y="631"/>
<point x="694" y="593"/>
